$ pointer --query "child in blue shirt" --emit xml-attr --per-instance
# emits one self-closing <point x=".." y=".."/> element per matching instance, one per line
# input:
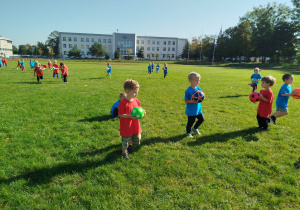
<point x="1" y="63"/>
<point x="157" y="67"/>
<point x="108" y="70"/>
<point x="193" y="108"/>
<point x="152" y="66"/>
<point x="283" y="97"/>
<point x="115" y="108"/>
<point x="149" y="68"/>
<point x="255" y="78"/>
<point x="165" y="70"/>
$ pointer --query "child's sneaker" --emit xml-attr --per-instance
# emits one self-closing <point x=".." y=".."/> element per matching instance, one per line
<point x="273" y="120"/>
<point x="125" y="155"/>
<point x="196" y="131"/>
<point x="130" y="149"/>
<point x="189" y="135"/>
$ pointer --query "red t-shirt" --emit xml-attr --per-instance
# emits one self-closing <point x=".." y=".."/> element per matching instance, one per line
<point x="64" y="71"/>
<point x="128" y="126"/>
<point x="56" y="70"/>
<point x="265" y="109"/>
<point x="38" y="72"/>
<point x="49" y="64"/>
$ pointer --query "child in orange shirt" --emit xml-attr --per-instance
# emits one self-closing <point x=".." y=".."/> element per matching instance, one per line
<point x="55" y="69"/>
<point x="49" y="64"/>
<point x="64" y="71"/>
<point x="38" y="70"/>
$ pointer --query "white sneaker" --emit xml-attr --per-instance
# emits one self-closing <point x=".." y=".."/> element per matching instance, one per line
<point x="196" y="131"/>
<point x="189" y="135"/>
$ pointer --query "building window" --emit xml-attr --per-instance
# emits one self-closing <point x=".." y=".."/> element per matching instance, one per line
<point x="173" y="49"/>
<point x="169" y="48"/>
<point x="75" y="39"/>
<point x="75" y="45"/>
<point x="148" y="48"/>
<point x="82" y="39"/>
<point x="173" y="56"/>
<point x="142" y="48"/>
<point x="64" y="46"/>
<point x="153" y="42"/>
<point x="99" y="40"/>
<point x="109" y="40"/>
<point x="105" y="47"/>
<point x="69" y="39"/>
<point x="157" y="42"/>
<point x="93" y="40"/>
<point x="88" y="46"/>
<point x="70" y="45"/>
<point x="87" y="40"/>
<point x="164" y="55"/>
<point x="148" y="42"/>
<point x="142" y="41"/>
<point x="104" y="40"/>
<point x="164" y="49"/>
<point x="137" y="41"/>
<point x="165" y="42"/>
<point x="137" y="48"/>
<point x="157" y="48"/>
<point x="153" y="55"/>
<point x="82" y="53"/>
<point x="65" y="52"/>
<point x="153" y="48"/>
<point x="169" y="42"/>
<point x="173" y="42"/>
<point x="82" y="46"/>
<point x="64" y="39"/>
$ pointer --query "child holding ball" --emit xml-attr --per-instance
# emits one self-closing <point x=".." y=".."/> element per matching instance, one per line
<point x="64" y="72"/>
<point x="130" y="129"/>
<point x="265" y="105"/>
<point x="157" y="67"/>
<point x="165" y="70"/>
<point x="255" y="78"/>
<point x="38" y="71"/>
<point x="55" y="69"/>
<point x="108" y="70"/>
<point x="149" y="68"/>
<point x="193" y="108"/>
<point x="115" y="108"/>
<point x="283" y="97"/>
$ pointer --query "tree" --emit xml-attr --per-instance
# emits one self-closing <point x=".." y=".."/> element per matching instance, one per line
<point x="51" y="52"/>
<point x="22" y="50"/>
<point x="107" y="56"/>
<point x="43" y="47"/>
<point x="53" y="42"/>
<point x="148" y="55"/>
<point x="128" y="52"/>
<point x="74" y="52"/>
<point x="140" y="53"/>
<point x="14" y="49"/>
<point x="117" y="55"/>
<point x="96" y="50"/>
<point x="168" y="56"/>
<point x="156" y="55"/>
<point x="186" y="50"/>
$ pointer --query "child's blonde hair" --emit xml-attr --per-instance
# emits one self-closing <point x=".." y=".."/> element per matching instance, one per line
<point x="269" y="79"/>
<point x="256" y="69"/>
<point x="55" y="61"/>
<point x="165" y="64"/>
<point x="193" y="75"/>
<point x="130" y="84"/>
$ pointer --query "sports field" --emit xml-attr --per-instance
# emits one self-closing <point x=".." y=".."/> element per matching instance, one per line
<point x="60" y="149"/>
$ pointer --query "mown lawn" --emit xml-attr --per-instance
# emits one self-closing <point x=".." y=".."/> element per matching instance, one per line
<point x="61" y="149"/>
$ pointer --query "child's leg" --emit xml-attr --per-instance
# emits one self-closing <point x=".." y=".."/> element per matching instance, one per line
<point x="115" y="112"/>
<point x="259" y="121"/>
<point x="254" y="87"/>
<point x="200" y="120"/>
<point x="109" y="75"/>
<point x="53" y="75"/>
<point x="165" y="75"/>
<point x="264" y="123"/>
<point x="191" y="120"/>
<point x="280" y="113"/>
<point x="38" y="79"/>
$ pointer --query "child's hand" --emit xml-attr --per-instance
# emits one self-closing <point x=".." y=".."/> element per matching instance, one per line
<point x="193" y="102"/>
<point x="144" y="112"/>
<point x="294" y="93"/>
<point x="133" y="117"/>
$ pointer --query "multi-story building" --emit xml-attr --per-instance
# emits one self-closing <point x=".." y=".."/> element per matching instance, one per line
<point x="164" y="47"/>
<point x="5" y="47"/>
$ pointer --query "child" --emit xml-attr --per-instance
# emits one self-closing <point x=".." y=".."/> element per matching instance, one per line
<point x="264" y="108"/>
<point x="49" y="64"/>
<point x="56" y="69"/>
<point x="255" y="78"/>
<point x="5" y="62"/>
<point x="157" y="67"/>
<point x="149" y="68"/>
<point x="193" y="108"/>
<point x="0" y="63"/>
<point x="115" y="108"/>
<point x="38" y="70"/>
<point x="19" y="64"/>
<point x="64" y="71"/>
<point x="130" y="129"/>
<point x="165" y="70"/>
<point x="283" y="97"/>
<point x="152" y="66"/>
<point x="109" y="70"/>
<point x="23" y="65"/>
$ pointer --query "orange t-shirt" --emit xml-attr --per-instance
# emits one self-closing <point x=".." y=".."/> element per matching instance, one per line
<point x="64" y="71"/>
<point x="38" y="72"/>
<point x="56" y="70"/>
<point x="264" y="109"/>
<point x="128" y="126"/>
<point x="49" y="64"/>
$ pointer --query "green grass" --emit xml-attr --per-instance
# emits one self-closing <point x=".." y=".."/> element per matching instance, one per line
<point x="60" y="149"/>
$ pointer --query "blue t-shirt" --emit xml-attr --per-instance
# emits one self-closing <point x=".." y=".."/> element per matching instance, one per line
<point x="22" y="64"/>
<point x="116" y="105"/>
<point x="255" y="76"/>
<point x="282" y="101"/>
<point x="157" y="67"/>
<point x="152" y="66"/>
<point x="32" y="64"/>
<point x="166" y="70"/>
<point x="109" y="71"/>
<point x="149" y="68"/>
<point x="0" y="62"/>
<point x="192" y="109"/>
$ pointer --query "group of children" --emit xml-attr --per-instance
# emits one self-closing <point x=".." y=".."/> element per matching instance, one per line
<point x="3" y="62"/>
<point x="151" y="68"/>
<point x="264" y="110"/>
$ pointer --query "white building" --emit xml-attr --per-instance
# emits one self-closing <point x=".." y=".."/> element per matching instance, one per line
<point x="166" y="47"/>
<point x="5" y="47"/>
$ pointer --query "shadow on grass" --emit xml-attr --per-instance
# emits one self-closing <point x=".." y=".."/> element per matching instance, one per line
<point x="236" y="96"/>
<point x="98" y="118"/>
<point x="248" y="134"/>
<point x="93" y="78"/>
<point x="297" y="164"/>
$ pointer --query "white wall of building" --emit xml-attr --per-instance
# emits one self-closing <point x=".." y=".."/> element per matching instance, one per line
<point x="5" y="47"/>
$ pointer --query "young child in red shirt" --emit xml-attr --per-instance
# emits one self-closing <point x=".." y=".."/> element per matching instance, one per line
<point x="38" y="70"/>
<point x="130" y="129"/>
<point x="64" y="71"/>
<point x="55" y="69"/>
<point x="49" y="64"/>
<point x="265" y="104"/>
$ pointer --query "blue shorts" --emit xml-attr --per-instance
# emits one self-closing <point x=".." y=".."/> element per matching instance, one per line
<point x="109" y="71"/>
<point x="282" y="109"/>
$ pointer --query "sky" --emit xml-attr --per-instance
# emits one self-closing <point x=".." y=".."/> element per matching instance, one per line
<point x="31" y="21"/>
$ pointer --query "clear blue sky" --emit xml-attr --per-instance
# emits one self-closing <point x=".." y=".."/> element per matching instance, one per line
<point x="30" y="21"/>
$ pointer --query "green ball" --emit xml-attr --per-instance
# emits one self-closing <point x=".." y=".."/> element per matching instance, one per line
<point x="138" y="112"/>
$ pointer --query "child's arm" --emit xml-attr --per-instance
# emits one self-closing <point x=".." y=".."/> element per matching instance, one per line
<point x="190" y="101"/>
<point x="127" y="116"/>
<point x="289" y="94"/>
<point x="264" y="99"/>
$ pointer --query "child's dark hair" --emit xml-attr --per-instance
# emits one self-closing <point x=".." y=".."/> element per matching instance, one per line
<point x="286" y="76"/>
<point x="61" y="64"/>
<point x="269" y="80"/>
<point x="131" y="84"/>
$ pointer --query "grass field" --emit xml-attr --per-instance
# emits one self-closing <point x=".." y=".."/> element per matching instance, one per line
<point x="60" y="149"/>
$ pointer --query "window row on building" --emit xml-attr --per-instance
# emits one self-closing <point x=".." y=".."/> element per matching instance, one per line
<point x="169" y="49"/>
<point x="153" y="42"/>
<point x="82" y="46"/>
<point x="87" y="40"/>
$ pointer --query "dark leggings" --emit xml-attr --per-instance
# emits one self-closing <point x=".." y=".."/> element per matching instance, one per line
<point x="254" y="87"/>
<point x="65" y="78"/>
<point x="262" y="122"/>
<point x="165" y="74"/>
<point x="191" y="120"/>
<point x="115" y="112"/>
<point x="39" y="77"/>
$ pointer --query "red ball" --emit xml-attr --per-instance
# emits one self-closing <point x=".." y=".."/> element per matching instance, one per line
<point x="298" y="95"/>
<point x="254" y="97"/>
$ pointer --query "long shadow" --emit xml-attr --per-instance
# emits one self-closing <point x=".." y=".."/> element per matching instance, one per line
<point x="98" y="118"/>
<point x="93" y="78"/>
<point x="247" y="134"/>
<point x="236" y="96"/>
